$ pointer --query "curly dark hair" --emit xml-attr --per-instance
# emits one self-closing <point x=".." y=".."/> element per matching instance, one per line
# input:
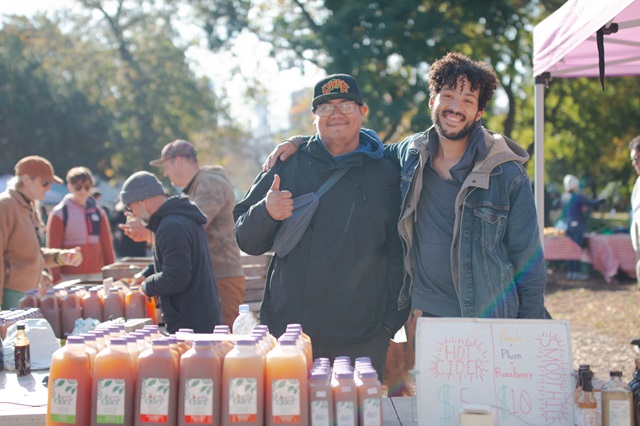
<point x="635" y="143"/>
<point x="446" y="70"/>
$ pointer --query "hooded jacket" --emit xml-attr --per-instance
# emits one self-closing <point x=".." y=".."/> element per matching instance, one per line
<point x="342" y="280"/>
<point x="496" y="257"/>
<point x="181" y="273"/>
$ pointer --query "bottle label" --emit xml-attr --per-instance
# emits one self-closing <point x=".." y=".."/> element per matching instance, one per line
<point x="198" y="401"/>
<point x="586" y="417"/>
<point x="619" y="412"/>
<point x="110" y="401"/>
<point x="345" y="413"/>
<point x="371" y="412"/>
<point x="285" y="401"/>
<point x="243" y="399"/>
<point x="320" y="413"/>
<point x="64" y="393"/>
<point x="154" y="399"/>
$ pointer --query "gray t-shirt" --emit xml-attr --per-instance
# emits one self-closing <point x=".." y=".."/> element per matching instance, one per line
<point x="433" y="289"/>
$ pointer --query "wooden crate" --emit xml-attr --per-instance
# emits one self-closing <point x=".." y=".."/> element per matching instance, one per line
<point x="255" y="273"/>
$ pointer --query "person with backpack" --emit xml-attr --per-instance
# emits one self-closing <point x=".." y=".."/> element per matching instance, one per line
<point x="78" y="221"/>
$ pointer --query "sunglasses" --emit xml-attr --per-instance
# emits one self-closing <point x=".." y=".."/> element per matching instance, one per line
<point x="45" y="183"/>
<point x="86" y="187"/>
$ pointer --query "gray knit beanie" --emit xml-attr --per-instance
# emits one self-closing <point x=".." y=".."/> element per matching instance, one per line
<point x="140" y="186"/>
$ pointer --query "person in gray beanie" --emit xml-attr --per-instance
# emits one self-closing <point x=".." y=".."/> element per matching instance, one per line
<point x="180" y="275"/>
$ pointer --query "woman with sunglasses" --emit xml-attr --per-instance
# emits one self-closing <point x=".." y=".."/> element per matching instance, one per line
<point x="22" y="260"/>
<point x="78" y="221"/>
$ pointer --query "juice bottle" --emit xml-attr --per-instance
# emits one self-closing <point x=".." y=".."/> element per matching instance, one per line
<point x="22" y="352"/>
<point x="369" y="392"/>
<point x="50" y="308"/>
<point x="151" y="310"/>
<point x="243" y="389"/>
<point x="91" y="346"/>
<point x="29" y="300"/>
<point x="69" y="385"/>
<point x="92" y="305"/>
<point x="113" y="386"/>
<point x="135" y="304"/>
<point x="156" y="398"/>
<point x="287" y="386"/>
<point x="320" y="399"/>
<point x="345" y="397"/>
<point x="617" y="402"/>
<point x="113" y="306"/>
<point x="305" y="343"/>
<point x="199" y="389"/>
<point x="70" y="311"/>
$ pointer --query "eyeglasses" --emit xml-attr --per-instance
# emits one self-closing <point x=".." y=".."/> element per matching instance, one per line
<point x="635" y="159"/>
<point x="86" y="187"/>
<point x="326" y="110"/>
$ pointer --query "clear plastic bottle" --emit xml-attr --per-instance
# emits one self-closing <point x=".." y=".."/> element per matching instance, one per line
<point x="135" y="304"/>
<point x="113" y="306"/>
<point x="617" y="402"/>
<point x="245" y="321"/>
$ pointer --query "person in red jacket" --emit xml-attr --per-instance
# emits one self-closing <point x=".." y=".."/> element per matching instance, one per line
<point x="78" y="221"/>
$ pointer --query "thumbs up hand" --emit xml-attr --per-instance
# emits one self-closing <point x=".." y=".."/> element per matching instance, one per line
<point x="279" y="203"/>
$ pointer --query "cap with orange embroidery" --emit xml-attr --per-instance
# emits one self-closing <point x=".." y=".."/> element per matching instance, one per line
<point x="336" y="86"/>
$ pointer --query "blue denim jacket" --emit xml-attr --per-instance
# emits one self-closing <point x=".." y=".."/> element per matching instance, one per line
<point x="496" y="256"/>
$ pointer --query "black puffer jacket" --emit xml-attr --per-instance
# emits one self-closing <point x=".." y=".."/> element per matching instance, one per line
<point x="342" y="280"/>
<point x="184" y="280"/>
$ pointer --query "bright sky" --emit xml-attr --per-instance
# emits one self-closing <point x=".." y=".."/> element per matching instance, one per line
<point x="251" y="56"/>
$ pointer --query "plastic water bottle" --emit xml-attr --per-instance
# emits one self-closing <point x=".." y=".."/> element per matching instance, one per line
<point x="245" y="321"/>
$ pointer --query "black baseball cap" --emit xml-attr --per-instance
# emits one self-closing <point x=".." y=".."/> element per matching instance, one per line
<point x="336" y="86"/>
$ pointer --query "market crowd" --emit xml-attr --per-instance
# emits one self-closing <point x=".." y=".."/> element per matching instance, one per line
<point x="366" y="237"/>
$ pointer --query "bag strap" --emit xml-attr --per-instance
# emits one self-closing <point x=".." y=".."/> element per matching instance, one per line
<point x="335" y="177"/>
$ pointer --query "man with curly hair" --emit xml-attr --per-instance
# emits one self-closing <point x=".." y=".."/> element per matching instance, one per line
<point x="468" y="219"/>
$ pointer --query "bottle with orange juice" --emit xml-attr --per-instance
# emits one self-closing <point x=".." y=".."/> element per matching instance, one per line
<point x="243" y="388"/>
<point x="199" y="389"/>
<point x="69" y="385"/>
<point x="156" y="385"/>
<point x="286" y="387"/>
<point x="113" y="385"/>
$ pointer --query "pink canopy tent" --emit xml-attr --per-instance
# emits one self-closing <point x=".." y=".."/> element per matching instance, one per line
<point x="565" y="45"/>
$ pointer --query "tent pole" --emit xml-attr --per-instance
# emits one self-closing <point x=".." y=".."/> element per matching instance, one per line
<point x="540" y="82"/>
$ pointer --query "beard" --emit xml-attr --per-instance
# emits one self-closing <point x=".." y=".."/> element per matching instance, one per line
<point x="464" y="132"/>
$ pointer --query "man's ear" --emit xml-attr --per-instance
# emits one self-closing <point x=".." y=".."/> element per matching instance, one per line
<point x="479" y="114"/>
<point x="364" y="109"/>
<point x="432" y="99"/>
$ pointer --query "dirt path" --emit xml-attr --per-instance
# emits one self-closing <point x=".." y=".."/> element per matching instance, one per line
<point x="603" y="317"/>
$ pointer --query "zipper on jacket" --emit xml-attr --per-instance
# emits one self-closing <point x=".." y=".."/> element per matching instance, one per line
<point x="353" y="207"/>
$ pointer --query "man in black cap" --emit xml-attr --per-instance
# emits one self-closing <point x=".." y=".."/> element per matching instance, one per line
<point x="181" y="272"/>
<point x="341" y="274"/>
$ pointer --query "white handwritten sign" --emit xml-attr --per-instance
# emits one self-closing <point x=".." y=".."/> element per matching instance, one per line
<point x="521" y="368"/>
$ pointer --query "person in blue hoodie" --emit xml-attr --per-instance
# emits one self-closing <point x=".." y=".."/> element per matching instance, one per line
<point x="342" y="279"/>
<point x="181" y="274"/>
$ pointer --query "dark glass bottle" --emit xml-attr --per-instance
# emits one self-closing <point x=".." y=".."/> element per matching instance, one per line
<point x="22" y="354"/>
